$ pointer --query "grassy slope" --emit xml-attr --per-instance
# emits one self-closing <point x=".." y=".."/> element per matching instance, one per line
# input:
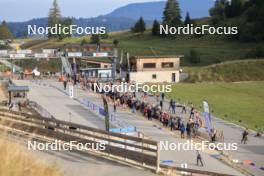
<point x="51" y="43"/>
<point x="241" y="70"/>
<point x="15" y="161"/>
<point x="43" y="65"/>
<point x="212" y="48"/>
<point x="231" y="101"/>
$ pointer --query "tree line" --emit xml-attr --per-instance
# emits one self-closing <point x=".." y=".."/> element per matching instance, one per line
<point x="247" y="15"/>
<point x="171" y="17"/>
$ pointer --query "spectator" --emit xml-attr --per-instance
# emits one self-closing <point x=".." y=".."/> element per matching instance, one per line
<point x="170" y="107"/>
<point x="183" y="109"/>
<point x="244" y="136"/>
<point x="213" y="137"/>
<point x="192" y="111"/>
<point x="11" y="105"/>
<point x="182" y="129"/>
<point x="199" y="158"/>
<point x="188" y="129"/>
<point x="173" y="107"/>
<point x="162" y="96"/>
<point x="161" y="104"/>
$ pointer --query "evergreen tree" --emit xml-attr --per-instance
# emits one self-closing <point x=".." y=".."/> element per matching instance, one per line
<point x="259" y="21"/>
<point x="251" y="29"/>
<point x="194" y="56"/>
<point x="187" y="19"/>
<point x="236" y="7"/>
<point x="116" y="42"/>
<point x="140" y="26"/>
<point x="171" y="14"/>
<point x="218" y="12"/>
<point x="95" y="39"/>
<point x="83" y="42"/>
<point x="156" y="28"/>
<point x="54" y="17"/>
<point x="66" y="23"/>
<point x="105" y="35"/>
<point x="4" y="31"/>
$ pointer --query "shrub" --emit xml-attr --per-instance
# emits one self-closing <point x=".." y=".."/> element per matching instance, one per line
<point x="194" y="57"/>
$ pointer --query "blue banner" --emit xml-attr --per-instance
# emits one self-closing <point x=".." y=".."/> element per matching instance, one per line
<point x="207" y="119"/>
<point x="129" y="129"/>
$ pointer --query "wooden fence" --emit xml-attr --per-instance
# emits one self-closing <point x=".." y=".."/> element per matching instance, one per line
<point x="121" y="147"/>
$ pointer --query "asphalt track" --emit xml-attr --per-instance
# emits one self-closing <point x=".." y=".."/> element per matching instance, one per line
<point x="60" y="105"/>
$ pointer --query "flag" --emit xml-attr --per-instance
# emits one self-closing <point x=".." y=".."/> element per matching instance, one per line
<point x="207" y="116"/>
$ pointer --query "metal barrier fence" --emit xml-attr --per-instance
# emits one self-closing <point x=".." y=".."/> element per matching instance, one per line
<point x="114" y="120"/>
<point x="129" y="149"/>
<point x="43" y="112"/>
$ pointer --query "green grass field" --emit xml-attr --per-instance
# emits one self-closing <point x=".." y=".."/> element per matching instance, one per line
<point x="241" y="103"/>
<point x="212" y="49"/>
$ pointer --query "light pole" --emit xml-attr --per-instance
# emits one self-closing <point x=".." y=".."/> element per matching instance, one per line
<point x="115" y="55"/>
<point x="107" y="125"/>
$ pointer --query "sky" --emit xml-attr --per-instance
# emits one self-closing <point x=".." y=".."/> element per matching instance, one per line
<point x="23" y="10"/>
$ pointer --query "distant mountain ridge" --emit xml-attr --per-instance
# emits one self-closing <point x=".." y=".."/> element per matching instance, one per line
<point x="154" y="10"/>
<point x="124" y="17"/>
<point x="149" y="10"/>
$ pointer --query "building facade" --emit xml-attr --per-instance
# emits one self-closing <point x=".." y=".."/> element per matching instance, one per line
<point x="156" y="69"/>
<point x="88" y="50"/>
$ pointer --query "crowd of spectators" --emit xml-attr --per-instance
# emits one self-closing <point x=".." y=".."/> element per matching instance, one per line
<point x="153" y="108"/>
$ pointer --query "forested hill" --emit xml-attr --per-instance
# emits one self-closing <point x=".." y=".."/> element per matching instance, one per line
<point x="248" y="16"/>
<point x="124" y="17"/>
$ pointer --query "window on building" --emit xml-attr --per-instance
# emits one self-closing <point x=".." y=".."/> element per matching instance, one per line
<point x="149" y="65"/>
<point x="154" y="76"/>
<point x="167" y="65"/>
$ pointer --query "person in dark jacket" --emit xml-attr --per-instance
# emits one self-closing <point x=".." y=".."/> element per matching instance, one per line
<point x="182" y="129"/>
<point x="245" y="136"/>
<point x="199" y="158"/>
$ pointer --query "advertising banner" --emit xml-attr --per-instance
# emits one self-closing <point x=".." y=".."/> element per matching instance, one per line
<point x="24" y="52"/>
<point x="17" y="56"/>
<point x="74" y="54"/>
<point x="100" y="54"/>
<point x="41" y="55"/>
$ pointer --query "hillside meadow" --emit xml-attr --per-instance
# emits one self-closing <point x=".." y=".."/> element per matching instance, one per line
<point x="238" y="102"/>
<point x="213" y="49"/>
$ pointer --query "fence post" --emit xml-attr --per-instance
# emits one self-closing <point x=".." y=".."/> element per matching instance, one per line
<point x="158" y="158"/>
